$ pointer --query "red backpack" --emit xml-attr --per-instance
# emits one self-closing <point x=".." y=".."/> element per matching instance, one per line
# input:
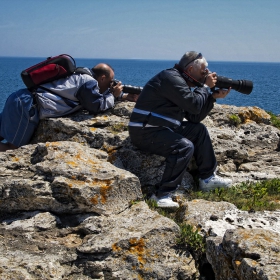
<point x="51" y="69"/>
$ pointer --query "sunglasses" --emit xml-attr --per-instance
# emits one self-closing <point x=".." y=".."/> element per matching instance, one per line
<point x="197" y="57"/>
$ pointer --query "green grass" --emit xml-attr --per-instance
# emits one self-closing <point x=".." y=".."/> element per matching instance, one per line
<point x="275" y="120"/>
<point x="263" y="195"/>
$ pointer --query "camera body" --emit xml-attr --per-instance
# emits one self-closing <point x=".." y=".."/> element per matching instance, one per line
<point x="128" y="88"/>
<point x="242" y="86"/>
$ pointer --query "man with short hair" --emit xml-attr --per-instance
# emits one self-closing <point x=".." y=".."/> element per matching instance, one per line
<point x="93" y="91"/>
<point x="156" y="124"/>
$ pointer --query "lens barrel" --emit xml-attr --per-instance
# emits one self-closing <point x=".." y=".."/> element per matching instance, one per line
<point x="242" y="86"/>
<point x="128" y="88"/>
<point x="132" y="89"/>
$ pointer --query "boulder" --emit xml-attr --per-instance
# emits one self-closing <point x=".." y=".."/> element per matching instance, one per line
<point x="64" y="177"/>
<point x="239" y="244"/>
<point x="245" y="254"/>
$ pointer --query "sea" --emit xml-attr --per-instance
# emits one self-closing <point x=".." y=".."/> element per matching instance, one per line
<point x="136" y="72"/>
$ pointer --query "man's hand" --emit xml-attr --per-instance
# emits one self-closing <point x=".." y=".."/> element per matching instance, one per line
<point x="221" y="93"/>
<point x="117" y="89"/>
<point x="211" y="79"/>
<point x="130" y="97"/>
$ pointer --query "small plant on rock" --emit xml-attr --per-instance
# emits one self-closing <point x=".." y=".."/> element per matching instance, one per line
<point x="191" y="239"/>
<point x="275" y="120"/>
<point x="118" y="127"/>
<point x="234" y="120"/>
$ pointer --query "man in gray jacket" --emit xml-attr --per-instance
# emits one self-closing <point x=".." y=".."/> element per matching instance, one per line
<point x="92" y="91"/>
<point x="156" y="124"/>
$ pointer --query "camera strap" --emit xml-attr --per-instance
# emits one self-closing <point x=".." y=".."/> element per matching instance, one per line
<point x="187" y="76"/>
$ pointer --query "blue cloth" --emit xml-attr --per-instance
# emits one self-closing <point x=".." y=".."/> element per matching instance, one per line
<point x="19" y="118"/>
<point x="92" y="100"/>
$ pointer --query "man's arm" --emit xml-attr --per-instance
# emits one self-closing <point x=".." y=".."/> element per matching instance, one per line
<point x="205" y="109"/>
<point x="208" y="106"/>
<point x="128" y="97"/>
<point x="92" y="100"/>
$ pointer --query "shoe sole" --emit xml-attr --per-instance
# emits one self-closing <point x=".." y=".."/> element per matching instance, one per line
<point x="165" y="206"/>
<point x="175" y="205"/>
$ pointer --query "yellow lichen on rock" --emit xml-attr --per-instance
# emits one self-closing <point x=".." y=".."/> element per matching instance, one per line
<point x="249" y="114"/>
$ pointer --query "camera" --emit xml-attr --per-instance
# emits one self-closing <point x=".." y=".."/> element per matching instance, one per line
<point x="242" y="86"/>
<point x="128" y="88"/>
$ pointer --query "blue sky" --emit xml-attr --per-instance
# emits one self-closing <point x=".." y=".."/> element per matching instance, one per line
<point x="223" y="30"/>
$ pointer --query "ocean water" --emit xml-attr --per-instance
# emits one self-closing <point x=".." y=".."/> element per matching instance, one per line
<point x="265" y="77"/>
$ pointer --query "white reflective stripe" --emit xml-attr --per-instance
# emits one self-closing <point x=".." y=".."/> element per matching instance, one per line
<point x="166" y="118"/>
<point x="140" y="124"/>
<point x="135" y="124"/>
<point x="143" y="112"/>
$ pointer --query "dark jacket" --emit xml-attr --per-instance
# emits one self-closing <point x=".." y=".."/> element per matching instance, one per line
<point x="167" y="99"/>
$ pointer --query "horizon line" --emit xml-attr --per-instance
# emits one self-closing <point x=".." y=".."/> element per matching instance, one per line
<point x="149" y="59"/>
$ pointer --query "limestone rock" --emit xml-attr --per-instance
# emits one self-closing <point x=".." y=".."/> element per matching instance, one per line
<point x="64" y="177"/>
<point x="245" y="254"/>
<point x="214" y="218"/>
<point x="240" y="245"/>
<point x="135" y="244"/>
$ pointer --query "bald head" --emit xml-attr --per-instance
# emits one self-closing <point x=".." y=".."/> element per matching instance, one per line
<point x="102" y="69"/>
<point x="104" y="74"/>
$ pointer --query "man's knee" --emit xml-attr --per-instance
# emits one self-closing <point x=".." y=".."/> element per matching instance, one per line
<point x="184" y="146"/>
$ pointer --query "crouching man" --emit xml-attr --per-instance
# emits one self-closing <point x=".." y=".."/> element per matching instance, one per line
<point x="156" y="124"/>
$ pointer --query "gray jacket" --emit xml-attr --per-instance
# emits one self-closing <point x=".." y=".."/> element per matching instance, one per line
<point x="67" y="95"/>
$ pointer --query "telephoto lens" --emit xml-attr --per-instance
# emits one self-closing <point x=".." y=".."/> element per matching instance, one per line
<point x="132" y="89"/>
<point x="129" y="88"/>
<point x="242" y="86"/>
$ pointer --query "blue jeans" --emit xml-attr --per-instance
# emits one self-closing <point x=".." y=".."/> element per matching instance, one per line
<point x="19" y="118"/>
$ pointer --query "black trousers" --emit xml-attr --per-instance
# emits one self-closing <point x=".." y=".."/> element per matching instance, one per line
<point x="177" y="146"/>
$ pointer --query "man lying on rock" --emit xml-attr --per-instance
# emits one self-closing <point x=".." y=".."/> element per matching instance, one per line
<point x="156" y="124"/>
<point x="94" y="92"/>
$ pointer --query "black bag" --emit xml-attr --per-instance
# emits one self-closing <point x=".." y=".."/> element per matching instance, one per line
<point x="51" y="69"/>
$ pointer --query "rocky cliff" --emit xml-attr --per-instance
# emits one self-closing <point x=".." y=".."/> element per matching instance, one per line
<point x="72" y="203"/>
